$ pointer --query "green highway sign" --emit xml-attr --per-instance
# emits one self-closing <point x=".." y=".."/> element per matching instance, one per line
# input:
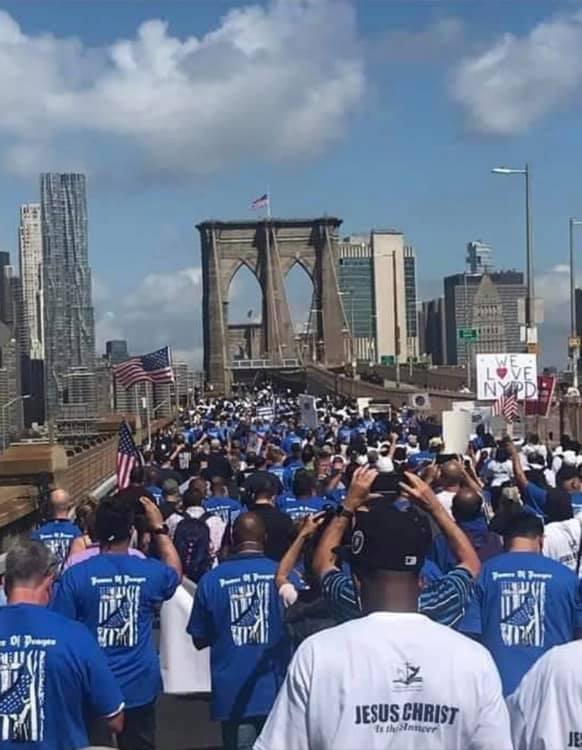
<point x="468" y="334"/>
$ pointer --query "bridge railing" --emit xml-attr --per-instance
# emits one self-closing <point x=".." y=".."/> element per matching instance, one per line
<point x="263" y="364"/>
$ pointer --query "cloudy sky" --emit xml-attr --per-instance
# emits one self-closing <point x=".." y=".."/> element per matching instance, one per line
<point x="385" y="113"/>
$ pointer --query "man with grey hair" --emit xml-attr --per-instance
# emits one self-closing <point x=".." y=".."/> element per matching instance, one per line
<point x="58" y="533"/>
<point x="52" y="673"/>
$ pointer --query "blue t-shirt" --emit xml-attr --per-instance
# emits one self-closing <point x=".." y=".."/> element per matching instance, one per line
<point x="52" y="676"/>
<point x="116" y="596"/>
<point x="289" y="474"/>
<point x="298" y="509"/>
<point x="237" y="609"/>
<point x="156" y="493"/>
<point x="576" y="498"/>
<point x="278" y="471"/>
<point x="415" y="459"/>
<point x="524" y="605"/>
<point x="57" y="535"/>
<point x="226" y="508"/>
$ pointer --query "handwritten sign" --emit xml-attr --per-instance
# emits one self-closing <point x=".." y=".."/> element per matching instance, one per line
<point x="497" y="372"/>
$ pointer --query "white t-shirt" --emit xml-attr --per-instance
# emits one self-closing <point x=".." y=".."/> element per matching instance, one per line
<point x="445" y="497"/>
<point x="562" y="541"/>
<point x="546" y="708"/>
<point x="389" y="681"/>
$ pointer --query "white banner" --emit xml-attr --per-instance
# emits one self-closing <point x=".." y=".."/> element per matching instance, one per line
<point x="496" y="372"/>
<point x="184" y="669"/>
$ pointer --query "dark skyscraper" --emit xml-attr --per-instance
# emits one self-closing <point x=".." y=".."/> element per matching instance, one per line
<point x="116" y="351"/>
<point x="68" y="313"/>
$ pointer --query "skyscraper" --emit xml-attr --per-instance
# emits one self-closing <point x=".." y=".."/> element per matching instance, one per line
<point x="68" y="314"/>
<point x="30" y="245"/>
<point x="410" y="301"/>
<point x="356" y="280"/>
<point x="479" y="257"/>
<point x="377" y="276"/>
<point x="116" y="351"/>
<point x="487" y="302"/>
<point x="432" y="331"/>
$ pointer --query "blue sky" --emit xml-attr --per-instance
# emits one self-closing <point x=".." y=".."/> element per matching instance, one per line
<point x="383" y="113"/>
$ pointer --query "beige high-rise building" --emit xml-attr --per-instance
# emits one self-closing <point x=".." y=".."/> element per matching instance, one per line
<point x="377" y="278"/>
<point x="395" y="295"/>
<point x="30" y="247"/>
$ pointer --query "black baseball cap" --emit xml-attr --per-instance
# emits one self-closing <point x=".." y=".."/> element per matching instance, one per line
<point x="387" y="537"/>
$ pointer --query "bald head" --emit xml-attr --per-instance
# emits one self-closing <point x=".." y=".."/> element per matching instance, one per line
<point x="467" y="505"/>
<point x="451" y="474"/>
<point x="249" y="527"/>
<point x="60" y="503"/>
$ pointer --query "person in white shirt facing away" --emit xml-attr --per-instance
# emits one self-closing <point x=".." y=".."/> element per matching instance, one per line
<point x="545" y="709"/>
<point x="393" y="679"/>
<point x="450" y="480"/>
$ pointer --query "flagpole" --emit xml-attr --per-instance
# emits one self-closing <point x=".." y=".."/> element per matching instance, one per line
<point x="269" y="203"/>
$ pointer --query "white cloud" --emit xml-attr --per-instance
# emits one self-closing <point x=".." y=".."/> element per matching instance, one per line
<point x="164" y="310"/>
<point x="518" y="80"/>
<point x="553" y="286"/>
<point x="274" y="82"/>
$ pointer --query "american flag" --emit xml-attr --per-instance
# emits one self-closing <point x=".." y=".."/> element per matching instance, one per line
<point x="506" y="404"/>
<point x="261" y="202"/>
<point x="153" y="368"/>
<point x="128" y="456"/>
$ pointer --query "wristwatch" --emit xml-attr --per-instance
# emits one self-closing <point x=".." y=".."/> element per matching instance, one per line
<point x="345" y="513"/>
<point x="161" y="531"/>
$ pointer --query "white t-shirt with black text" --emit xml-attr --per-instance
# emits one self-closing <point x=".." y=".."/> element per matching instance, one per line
<point x="389" y="681"/>
<point x="546" y="708"/>
<point x="562" y="540"/>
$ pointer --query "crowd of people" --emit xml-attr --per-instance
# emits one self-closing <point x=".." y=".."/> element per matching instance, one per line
<point x="357" y="586"/>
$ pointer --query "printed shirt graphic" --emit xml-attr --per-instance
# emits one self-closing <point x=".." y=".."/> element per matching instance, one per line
<point x="51" y="673"/>
<point x="298" y="509"/>
<point x="227" y="509"/>
<point x="524" y="605"/>
<point x="57" y="535"/>
<point x="116" y="596"/>
<point x="237" y="609"/>
<point x="387" y="682"/>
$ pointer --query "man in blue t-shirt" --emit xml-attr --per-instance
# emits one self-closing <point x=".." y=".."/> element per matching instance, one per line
<point x="219" y="504"/>
<point x="550" y="504"/>
<point x="58" y="533"/>
<point x="303" y="502"/>
<point x="237" y="612"/>
<point x="53" y="676"/>
<point x="116" y="595"/>
<point x="524" y="602"/>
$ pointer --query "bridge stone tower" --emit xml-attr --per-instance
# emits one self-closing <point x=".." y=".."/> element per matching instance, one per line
<point x="270" y="248"/>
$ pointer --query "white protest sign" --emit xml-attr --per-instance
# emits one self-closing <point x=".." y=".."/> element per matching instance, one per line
<point x="496" y="372"/>
<point x="308" y="411"/>
<point x="457" y="431"/>
<point x="479" y="414"/>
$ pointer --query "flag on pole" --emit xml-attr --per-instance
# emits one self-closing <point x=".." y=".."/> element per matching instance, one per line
<point x="261" y="202"/>
<point x="506" y="404"/>
<point x="155" y="367"/>
<point x="128" y="456"/>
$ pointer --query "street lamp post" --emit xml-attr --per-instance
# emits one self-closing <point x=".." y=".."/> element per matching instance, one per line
<point x="573" y="330"/>
<point x="529" y="301"/>
<point x="5" y="406"/>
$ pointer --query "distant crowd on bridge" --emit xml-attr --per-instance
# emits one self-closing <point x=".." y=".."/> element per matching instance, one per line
<point x="336" y="579"/>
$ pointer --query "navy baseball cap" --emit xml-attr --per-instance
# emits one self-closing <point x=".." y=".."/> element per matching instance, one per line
<point x="387" y="537"/>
